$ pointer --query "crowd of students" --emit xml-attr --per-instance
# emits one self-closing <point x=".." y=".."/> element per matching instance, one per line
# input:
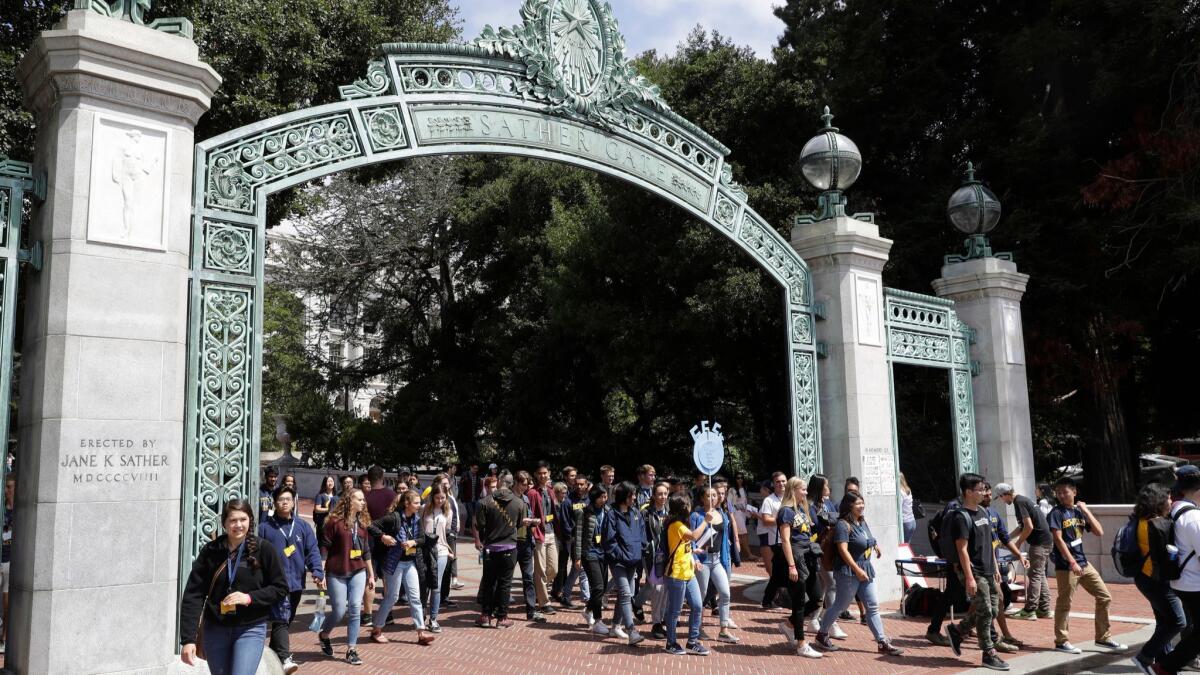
<point x="665" y="543"/>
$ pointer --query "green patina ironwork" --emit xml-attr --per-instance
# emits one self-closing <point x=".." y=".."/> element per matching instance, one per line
<point x="558" y="88"/>
<point x="924" y="330"/>
<point x="17" y="183"/>
<point x="134" y="11"/>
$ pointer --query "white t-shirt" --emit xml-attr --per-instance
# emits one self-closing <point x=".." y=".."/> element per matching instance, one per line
<point x="906" y="507"/>
<point x="770" y="507"/>
<point x="1187" y="538"/>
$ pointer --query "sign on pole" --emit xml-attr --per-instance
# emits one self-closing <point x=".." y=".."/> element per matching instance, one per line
<point x="709" y="450"/>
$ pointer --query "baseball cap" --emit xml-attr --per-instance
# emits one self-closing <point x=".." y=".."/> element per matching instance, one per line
<point x="1002" y="489"/>
<point x="1186" y="469"/>
<point x="492" y="465"/>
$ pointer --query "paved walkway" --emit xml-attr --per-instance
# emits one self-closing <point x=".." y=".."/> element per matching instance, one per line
<point x="563" y="645"/>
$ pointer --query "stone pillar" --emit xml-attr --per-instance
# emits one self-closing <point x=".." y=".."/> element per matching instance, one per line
<point x="987" y="297"/>
<point x="95" y="572"/>
<point x="846" y="258"/>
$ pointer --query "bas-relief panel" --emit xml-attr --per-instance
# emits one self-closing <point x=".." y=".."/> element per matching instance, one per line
<point x="128" y="189"/>
<point x="1014" y="341"/>
<point x="867" y="297"/>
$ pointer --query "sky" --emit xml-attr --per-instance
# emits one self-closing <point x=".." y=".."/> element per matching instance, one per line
<point x="653" y="24"/>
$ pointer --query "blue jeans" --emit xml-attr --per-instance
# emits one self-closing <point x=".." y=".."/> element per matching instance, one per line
<point x="435" y="593"/>
<point x="1168" y="616"/>
<point x="346" y="594"/>
<point x="406" y="574"/>
<point x="525" y="560"/>
<point x="572" y="575"/>
<point x="910" y="526"/>
<point x="623" y="578"/>
<point x="234" y="650"/>
<point x="848" y="586"/>
<point x="677" y="590"/>
<point x="713" y="572"/>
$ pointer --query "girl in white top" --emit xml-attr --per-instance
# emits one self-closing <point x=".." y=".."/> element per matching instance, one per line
<point x="739" y="499"/>
<point x="435" y="520"/>
<point x="907" y="519"/>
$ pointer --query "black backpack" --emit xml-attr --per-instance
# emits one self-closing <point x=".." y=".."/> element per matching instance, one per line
<point x="1172" y="570"/>
<point x="944" y="546"/>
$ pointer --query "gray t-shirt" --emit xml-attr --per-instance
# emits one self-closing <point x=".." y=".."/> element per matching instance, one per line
<point x="1027" y="509"/>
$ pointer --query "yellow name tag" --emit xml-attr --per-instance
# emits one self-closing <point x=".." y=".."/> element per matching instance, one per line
<point x="867" y="553"/>
<point x="228" y="609"/>
<point x="995" y="543"/>
<point x="289" y="550"/>
<point x="577" y="507"/>
<point x="355" y="554"/>
<point x="597" y="539"/>
<point x="550" y="519"/>
<point x="408" y="550"/>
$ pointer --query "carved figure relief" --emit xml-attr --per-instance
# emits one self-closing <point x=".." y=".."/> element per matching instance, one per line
<point x="866" y="306"/>
<point x="128" y="188"/>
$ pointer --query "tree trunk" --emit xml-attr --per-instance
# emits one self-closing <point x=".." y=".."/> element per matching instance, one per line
<point x="1108" y="467"/>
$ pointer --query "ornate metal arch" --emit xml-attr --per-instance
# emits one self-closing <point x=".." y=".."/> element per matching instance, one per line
<point x="923" y="330"/>
<point x="557" y="87"/>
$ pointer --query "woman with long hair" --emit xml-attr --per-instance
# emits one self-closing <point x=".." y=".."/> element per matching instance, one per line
<point x="437" y="523"/>
<point x="855" y="574"/>
<point x="345" y="545"/>
<point x="796" y="568"/>
<point x="824" y="515"/>
<point x="713" y="555"/>
<point x="1150" y="513"/>
<point x="401" y="534"/>
<point x="233" y="585"/>
<point x="588" y="555"/>
<point x="739" y="500"/>
<point x="324" y="501"/>
<point x="681" y="569"/>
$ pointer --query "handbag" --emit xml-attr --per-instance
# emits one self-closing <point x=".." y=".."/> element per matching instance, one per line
<point x="203" y="606"/>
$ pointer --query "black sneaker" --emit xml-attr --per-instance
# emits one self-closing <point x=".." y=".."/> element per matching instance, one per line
<point x="365" y="621"/>
<point x="993" y="662"/>
<point x="658" y="632"/>
<point x="937" y="639"/>
<point x="352" y="658"/>
<point x="326" y="646"/>
<point x="449" y="603"/>
<point x="846" y="615"/>
<point x="639" y="616"/>
<point x="955" y="639"/>
<point x="548" y="610"/>
<point x="536" y="617"/>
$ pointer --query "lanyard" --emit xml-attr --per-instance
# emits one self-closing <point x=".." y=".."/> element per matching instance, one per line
<point x="409" y="527"/>
<point x="231" y="570"/>
<point x="287" y="536"/>
<point x="354" y="536"/>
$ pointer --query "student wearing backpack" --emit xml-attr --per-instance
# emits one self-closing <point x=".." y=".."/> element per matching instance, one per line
<point x="954" y="594"/>
<point x="1141" y="549"/>
<point x="622" y="538"/>
<point x="1068" y="521"/>
<point x="796" y="567"/>
<point x="970" y="528"/>
<point x="1186" y="534"/>
<point x="654" y="514"/>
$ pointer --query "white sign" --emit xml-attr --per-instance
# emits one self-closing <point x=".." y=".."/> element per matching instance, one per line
<point x="879" y="471"/>
<point x="709" y="449"/>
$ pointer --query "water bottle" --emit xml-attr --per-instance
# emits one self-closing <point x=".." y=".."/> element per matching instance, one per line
<point x="320" y="603"/>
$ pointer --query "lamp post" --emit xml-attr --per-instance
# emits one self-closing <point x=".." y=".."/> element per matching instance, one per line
<point x="974" y="210"/>
<point x="831" y="163"/>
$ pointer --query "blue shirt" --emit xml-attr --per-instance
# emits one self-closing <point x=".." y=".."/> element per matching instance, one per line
<point x="860" y="543"/>
<point x="1072" y="523"/>
<point x="306" y="555"/>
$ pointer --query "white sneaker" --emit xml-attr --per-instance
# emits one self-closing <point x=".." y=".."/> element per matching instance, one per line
<point x="635" y="637"/>
<point x="290" y="666"/>
<point x="1067" y="648"/>
<point x="457" y="585"/>
<point x="587" y="617"/>
<point x="619" y="631"/>
<point x="814" y="625"/>
<point x="837" y="633"/>
<point x="788" y="633"/>
<point x="730" y="624"/>
<point x="808" y="652"/>
<point x="599" y="628"/>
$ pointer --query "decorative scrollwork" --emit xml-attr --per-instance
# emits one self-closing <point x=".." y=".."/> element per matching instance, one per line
<point x="964" y="421"/>
<point x="223" y="398"/>
<point x="914" y="314"/>
<point x="376" y="83"/>
<point x="727" y="181"/>
<point x="384" y="128"/>
<point x="228" y="248"/>
<point x="234" y="171"/>
<point x="766" y="244"/>
<point x="805" y="410"/>
<point x="574" y="60"/>
<point x="725" y="212"/>
<point x="5" y="196"/>
<point x="919" y="346"/>
<point x="960" y="351"/>
<point x="802" y="329"/>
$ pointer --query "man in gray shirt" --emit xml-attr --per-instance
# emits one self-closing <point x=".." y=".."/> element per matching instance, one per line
<point x="1034" y="530"/>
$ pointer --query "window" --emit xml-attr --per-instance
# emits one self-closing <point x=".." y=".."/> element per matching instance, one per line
<point x="336" y="353"/>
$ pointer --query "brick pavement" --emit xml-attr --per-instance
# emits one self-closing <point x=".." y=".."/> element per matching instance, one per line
<point x="563" y="646"/>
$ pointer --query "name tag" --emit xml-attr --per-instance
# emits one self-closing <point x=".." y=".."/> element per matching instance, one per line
<point x="1077" y="543"/>
<point x="995" y="543"/>
<point x="408" y="550"/>
<point x="291" y="548"/>
<point x="355" y="553"/>
<point x="550" y="518"/>
<point x="597" y="539"/>
<point x="228" y="609"/>
<point x="577" y="507"/>
<point x="867" y="554"/>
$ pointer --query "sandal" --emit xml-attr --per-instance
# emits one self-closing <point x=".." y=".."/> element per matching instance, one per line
<point x="378" y="636"/>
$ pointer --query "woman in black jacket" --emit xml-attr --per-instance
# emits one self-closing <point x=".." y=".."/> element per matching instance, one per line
<point x="403" y="564"/>
<point x="232" y="586"/>
<point x="589" y="555"/>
